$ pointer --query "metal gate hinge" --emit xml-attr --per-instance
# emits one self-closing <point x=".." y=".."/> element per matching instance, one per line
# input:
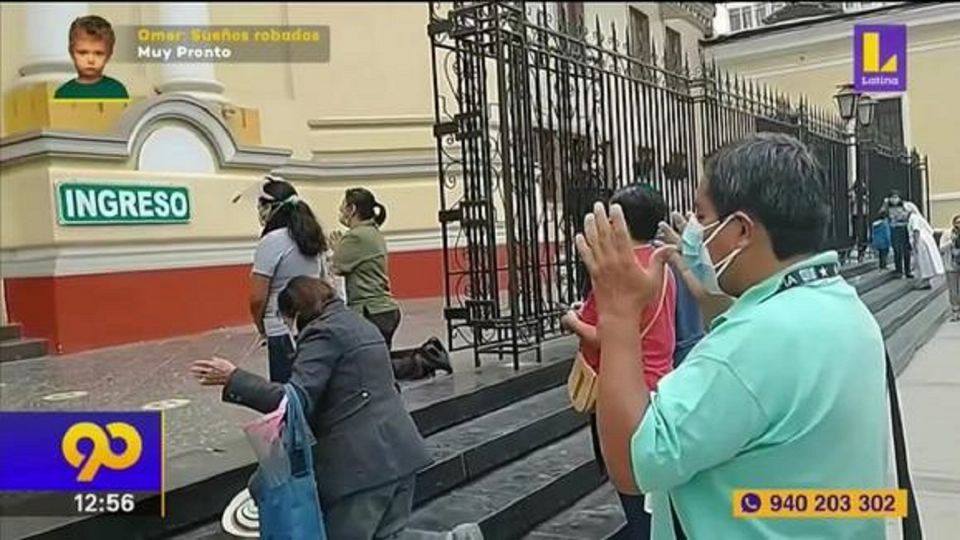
<point x="439" y="26"/>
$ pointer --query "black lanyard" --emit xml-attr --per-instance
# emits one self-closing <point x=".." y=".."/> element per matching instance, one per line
<point x="808" y="275"/>
<point x="911" y="523"/>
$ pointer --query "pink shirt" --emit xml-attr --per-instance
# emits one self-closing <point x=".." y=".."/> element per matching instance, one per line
<point x="659" y="342"/>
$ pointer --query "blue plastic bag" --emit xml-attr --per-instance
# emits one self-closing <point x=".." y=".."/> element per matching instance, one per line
<point x="287" y="503"/>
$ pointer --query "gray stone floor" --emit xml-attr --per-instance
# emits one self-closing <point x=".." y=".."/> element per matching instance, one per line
<point x="930" y="399"/>
<point x="131" y="377"/>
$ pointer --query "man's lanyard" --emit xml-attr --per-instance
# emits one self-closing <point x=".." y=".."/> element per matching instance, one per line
<point x="807" y="275"/>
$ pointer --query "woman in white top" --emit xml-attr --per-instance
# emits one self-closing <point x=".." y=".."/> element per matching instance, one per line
<point x="292" y="244"/>
<point x="927" y="254"/>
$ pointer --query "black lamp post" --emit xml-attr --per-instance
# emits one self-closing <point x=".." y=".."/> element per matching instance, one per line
<point x="853" y="104"/>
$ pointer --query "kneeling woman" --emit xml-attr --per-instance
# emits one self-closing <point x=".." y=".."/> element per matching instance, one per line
<point x="368" y="449"/>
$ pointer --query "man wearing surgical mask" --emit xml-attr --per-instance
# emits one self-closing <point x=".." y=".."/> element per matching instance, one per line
<point x="764" y="400"/>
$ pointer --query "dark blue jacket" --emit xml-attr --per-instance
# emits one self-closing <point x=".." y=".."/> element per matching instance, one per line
<point x="689" y="323"/>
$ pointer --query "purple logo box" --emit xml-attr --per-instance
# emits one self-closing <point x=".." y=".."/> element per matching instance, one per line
<point x="880" y="57"/>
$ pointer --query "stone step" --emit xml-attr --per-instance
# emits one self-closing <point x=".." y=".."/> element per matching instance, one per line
<point x="892" y="317"/>
<point x="467" y="451"/>
<point x="903" y="343"/>
<point x="21" y="349"/>
<point x="201" y="484"/>
<point x="867" y="281"/>
<point x="597" y="516"/>
<point x="884" y="295"/>
<point x="10" y="332"/>
<point x="511" y="500"/>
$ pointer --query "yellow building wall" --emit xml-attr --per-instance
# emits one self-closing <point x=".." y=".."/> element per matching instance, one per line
<point x="374" y="97"/>
<point x="28" y="217"/>
<point x="933" y="78"/>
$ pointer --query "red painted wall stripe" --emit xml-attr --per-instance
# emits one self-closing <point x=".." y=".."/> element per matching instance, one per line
<point x="76" y="313"/>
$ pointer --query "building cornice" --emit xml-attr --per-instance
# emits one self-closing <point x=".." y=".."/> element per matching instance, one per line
<point x="773" y="40"/>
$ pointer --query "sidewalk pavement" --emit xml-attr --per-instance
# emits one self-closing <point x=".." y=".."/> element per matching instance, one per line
<point x="156" y="375"/>
<point x="930" y="399"/>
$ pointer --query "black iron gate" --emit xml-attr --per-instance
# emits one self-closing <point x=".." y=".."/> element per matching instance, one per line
<point x="537" y="117"/>
<point x="534" y="124"/>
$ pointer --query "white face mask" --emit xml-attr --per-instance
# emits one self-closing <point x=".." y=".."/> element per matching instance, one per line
<point x="697" y="256"/>
<point x="265" y="212"/>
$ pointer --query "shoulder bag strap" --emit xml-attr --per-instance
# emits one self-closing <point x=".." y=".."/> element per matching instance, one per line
<point x="911" y="523"/>
<point x="663" y="299"/>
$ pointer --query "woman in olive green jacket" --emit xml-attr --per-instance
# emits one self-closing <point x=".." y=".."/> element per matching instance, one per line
<point x="360" y="255"/>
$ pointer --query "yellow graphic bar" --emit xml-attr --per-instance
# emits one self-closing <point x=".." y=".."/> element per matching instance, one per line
<point x="819" y="503"/>
<point x="871" y="52"/>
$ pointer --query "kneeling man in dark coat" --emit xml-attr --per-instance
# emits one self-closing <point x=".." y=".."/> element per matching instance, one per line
<point x="368" y="448"/>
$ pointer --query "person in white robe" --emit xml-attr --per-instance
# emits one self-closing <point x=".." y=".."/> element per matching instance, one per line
<point x="927" y="261"/>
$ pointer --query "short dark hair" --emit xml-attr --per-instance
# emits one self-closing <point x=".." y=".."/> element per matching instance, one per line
<point x="643" y="209"/>
<point x="302" y="293"/>
<point x="366" y="204"/>
<point x="296" y="216"/>
<point x="93" y="26"/>
<point x="776" y="180"/>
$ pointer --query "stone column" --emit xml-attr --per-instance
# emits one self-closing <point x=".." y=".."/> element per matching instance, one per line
<point x="46" y="56"/>
<point x="196" y="79"/>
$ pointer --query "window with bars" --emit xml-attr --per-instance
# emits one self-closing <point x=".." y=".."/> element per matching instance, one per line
<point x="572" y="17"/>
<point x="887" y="126"/>
<point x="673" y="50"/>
<point x="639" y="34"/>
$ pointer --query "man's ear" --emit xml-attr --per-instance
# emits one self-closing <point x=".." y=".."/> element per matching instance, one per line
<point x="746" y="231"/>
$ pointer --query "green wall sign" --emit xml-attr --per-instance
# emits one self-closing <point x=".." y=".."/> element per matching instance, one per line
<point x="121" y="204"/>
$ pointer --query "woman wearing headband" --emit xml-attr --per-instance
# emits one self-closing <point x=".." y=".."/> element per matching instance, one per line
<point x="291" y="244"/>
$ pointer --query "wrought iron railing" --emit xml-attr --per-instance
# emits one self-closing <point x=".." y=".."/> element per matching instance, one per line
<point x="537" y="117"/>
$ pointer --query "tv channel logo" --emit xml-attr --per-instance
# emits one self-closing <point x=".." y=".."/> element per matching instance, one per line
<point x="880" y="57"/>
<point x="75" y="451"/>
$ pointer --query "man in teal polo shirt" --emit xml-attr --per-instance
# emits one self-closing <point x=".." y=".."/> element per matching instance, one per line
<point x="786" y="391"/>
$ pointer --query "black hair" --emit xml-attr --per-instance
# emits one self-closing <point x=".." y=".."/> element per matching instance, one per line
<point x="296" y="216"/>
<point x="778" y="182"/>
<point x="643" y="209"/>
<point x="304" y="297"/>
<point x="366" y="204"/>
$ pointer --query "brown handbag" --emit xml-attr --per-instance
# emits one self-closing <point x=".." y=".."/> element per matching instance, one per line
<point x="582" y="381"/>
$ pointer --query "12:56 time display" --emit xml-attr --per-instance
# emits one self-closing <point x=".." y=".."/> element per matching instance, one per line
<point x="99" y="503"/>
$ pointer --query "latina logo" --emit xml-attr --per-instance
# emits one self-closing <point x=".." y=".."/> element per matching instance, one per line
<point x="880" y="57"/>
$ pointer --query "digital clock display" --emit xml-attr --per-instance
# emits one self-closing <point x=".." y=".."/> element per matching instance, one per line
<point x="105" y="503"/>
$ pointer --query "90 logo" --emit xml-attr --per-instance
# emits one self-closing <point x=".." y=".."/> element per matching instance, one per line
<point x="101" y="453"/>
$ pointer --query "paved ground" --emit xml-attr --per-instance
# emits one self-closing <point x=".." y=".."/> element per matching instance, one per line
<point x="157" y="374"/>
<point x="930" y="399"/>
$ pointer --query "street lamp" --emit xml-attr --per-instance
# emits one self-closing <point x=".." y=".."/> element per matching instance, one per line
<point x="857" y="110"/>
<point x="865" y="108"/>
<point x="847" y="99"/>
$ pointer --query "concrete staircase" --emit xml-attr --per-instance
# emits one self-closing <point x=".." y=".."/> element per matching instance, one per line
<point x="13" y="346"/>
<point x="511" y="456"/>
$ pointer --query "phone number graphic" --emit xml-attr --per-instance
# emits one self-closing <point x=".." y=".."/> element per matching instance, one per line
<point x="819" y="503"/>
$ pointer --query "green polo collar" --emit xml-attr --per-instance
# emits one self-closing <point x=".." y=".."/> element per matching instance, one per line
<point x="366" y="223"/>
<point x="766" y="288"/>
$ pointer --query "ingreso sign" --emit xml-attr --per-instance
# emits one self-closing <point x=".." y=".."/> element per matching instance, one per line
<point x="121" y="204"/>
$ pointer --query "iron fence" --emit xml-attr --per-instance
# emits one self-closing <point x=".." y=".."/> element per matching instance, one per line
<point x="537" y="117"/>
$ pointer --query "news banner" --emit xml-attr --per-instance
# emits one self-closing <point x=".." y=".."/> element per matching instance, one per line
<point x="82" y="463"/>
